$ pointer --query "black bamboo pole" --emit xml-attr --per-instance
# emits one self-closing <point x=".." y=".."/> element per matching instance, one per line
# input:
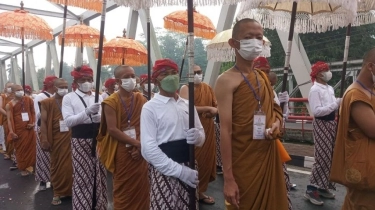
<point x="289" y="49"/>
<point x="345" y="60"/>
<point x="190" y="7"/>
<point x="148" y="53"/>
<point x="63" y="40"/>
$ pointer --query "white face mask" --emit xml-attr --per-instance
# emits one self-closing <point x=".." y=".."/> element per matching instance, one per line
<point x="152" y="86"/>
<point x="128" y="84"/>
<point x="327" y="76"/>
<point x="9" y="90"/>
<point x="19" y="94"/>
<point x="250" y="48"/>
<point x="85" y="87"/>
<point x="198" y="78"/>
<point x="116" y="87"/>
<point x="62" y="91"/>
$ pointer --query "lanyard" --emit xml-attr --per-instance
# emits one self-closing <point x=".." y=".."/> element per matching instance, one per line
<point x="370" y="91"/>
<point x="58" y="105"/>
<point x="128" y="111"/>
<point x="251" y="87"/>
<point x="22" y="105"/>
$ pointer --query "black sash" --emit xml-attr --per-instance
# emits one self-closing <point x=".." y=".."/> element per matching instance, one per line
<point x="329" y="117"/>
<point x="178" y="150"/>
<point x="85" y="131"/>
<point x="39" y="122"/>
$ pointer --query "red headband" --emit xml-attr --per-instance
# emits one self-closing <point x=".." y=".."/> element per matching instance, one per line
<point x="143" y="78"/>
<point x="48" y="81"/>
<point x="109" y="82"/>
<point x="161" y="65"/>
<point x="27" y="88"/>
<point x="260" y="62"/>
<point x="317" y="68"/>
<point x="82" y="71"/>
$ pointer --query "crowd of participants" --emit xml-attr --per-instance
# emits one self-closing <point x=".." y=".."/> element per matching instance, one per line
<point x="71" y="141"/>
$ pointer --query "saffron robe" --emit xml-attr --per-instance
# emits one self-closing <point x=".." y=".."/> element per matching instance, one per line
<point x="206" y="155"/>
<point x="8" y="143"/>
<point x="256" y="164"/>
<point x="61" y="155"/>
<point x="131" y="185"/>
<point x="26" y="143"/>
<point x="351" y="155"/>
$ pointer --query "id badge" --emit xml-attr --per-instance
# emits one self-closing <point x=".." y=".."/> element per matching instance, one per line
<point x="63" y="127"/>
<point x="259" y="125"/>
<point x="131" y="133"/>
<point x="25" y="116"/>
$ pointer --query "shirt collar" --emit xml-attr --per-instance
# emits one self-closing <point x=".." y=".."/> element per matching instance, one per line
<point x="82" y="94"/>
<point x="321" y="85"/>
<point x="165" y="99"/>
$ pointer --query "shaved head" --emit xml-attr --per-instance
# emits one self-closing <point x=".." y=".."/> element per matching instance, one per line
<point x="273" y="78"/>
<point x="60" y="83"/>
<point x="8" y="84"/>
<point x="369" y="57"/>
<point x="120" y="70"/>
<point x="57" y="81"/>
<point x="238" y="25"/>
<point x="16" y="88"/>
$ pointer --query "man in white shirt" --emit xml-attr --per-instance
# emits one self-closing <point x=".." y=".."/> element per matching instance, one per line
<point x="165" y="139"/>
<point x="43" y="160"/>
<point x="323" y="105"/>
<point x="82" y="115"/>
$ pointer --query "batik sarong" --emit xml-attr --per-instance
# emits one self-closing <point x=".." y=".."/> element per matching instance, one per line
<point x="287" y="182"/>
<point x="324" y="140"/>
<point x="168" y="193"/>
<point x="218" y="153"/>
<point x="89" y="176"/>
<point x="43" y="162"/>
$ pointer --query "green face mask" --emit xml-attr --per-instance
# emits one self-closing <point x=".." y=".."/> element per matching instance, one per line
<point x="170" y="83"/>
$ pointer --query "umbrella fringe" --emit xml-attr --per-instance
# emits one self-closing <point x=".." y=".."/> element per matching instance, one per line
<point x="118" y="61"/>
<point x="15" y="32"/>
<point x="306" y="23"/>
<point x="181" y="28"/>
<point x="94" y="5"/>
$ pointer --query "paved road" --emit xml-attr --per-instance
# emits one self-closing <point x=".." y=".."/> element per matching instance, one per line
<point x="20" y="193"/>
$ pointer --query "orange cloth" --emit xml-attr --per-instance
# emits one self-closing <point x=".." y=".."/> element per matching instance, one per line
<point x="8" y="144"/>
<point x="25" y="145"/>
<point x="257" y="166"/>
<point x="130" y="177"/>
<point x="353" y="156"/>
<point x="206" y="155"/>
<point x="61" y="156"/>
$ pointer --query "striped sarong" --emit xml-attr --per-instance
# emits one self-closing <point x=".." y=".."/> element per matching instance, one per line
<point x="87" y="172"/>
<point x="324" y="133"/>
<point x="168" y="193"/>
<point x="43" y="162"/>
<point x="218" y="153"/>
<point x="287" y="182"/>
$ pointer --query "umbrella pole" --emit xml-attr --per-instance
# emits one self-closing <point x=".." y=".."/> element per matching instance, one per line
<point x="148" y="53"/>
<point x="82" y="52"/>
<point x="192" y="191"/>
<point x="289" y="49"/>
<point x="23" y="59"/>
<point x="63" y="40"/>
<point x="345" y="61"/>
<point x="183" y="59"/>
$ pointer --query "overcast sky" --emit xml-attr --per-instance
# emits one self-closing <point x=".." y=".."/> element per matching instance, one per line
<point x="116" y="21"/>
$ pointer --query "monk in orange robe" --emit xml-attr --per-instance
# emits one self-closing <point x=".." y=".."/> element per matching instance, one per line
<point x="55" y="138"/>
<point x="250" y="122"/>
<point x="353" y="163"/>
<point x="205" y="103"/>
<point x="4" y="100"/>
<point x="21" y="117"/>
<point x="119" y="143"/>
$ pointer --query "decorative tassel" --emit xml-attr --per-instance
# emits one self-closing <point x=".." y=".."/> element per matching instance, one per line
<point x="119" y="61"/>
<point x="182" y="28"/>
<point x="94" y="5"/>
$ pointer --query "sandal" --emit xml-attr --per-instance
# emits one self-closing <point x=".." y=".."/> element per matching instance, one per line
<point x="207" y="200"/>
<point x="25" y="173"/>
<point x="56" y="201"/>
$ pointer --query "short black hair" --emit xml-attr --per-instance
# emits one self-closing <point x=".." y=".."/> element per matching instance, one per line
<point x="236" y="27"/>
